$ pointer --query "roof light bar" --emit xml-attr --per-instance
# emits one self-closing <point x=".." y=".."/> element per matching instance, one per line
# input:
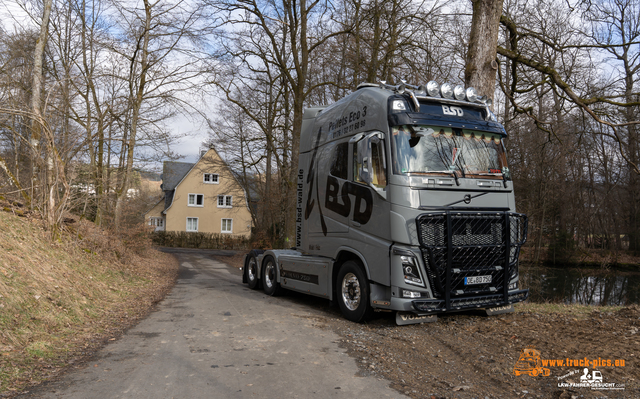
<point x="433" y="89"/>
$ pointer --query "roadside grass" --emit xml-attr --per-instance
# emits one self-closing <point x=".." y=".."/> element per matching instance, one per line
<point x="60" y="301"/>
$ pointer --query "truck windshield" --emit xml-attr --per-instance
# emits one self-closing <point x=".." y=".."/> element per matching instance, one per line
<point x="419" y="149"/>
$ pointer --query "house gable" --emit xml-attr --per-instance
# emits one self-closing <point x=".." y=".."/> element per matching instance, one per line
<point x="194" y="184"/>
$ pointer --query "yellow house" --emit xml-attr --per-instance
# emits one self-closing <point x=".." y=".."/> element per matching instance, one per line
<point x="201" y="197"/>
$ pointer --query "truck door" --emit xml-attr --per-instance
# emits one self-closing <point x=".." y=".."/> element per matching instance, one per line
<point x="335" y="197"/>
<point x="369" y="219"/>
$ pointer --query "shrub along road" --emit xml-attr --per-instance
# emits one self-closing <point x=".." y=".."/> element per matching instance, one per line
<point x="212" y="337"/>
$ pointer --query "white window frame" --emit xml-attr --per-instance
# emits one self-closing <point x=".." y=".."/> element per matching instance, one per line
<point x="226" y="199"/>
<point x="217" y="179"/>
<point x="156" y="221"/>
<point x="196" y="219"/>
<point x="195" y="200"/>
<point x="222" y="230"/>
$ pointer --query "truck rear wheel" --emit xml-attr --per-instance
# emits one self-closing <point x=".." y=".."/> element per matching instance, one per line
<point x="270" y="283"/>
<point x="251" y="270"/>
<point x="353" y="292"/>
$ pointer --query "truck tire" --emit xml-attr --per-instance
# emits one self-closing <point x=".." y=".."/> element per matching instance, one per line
<point x="251" y="270"/>
<point x="352" y="289"/>
<point x="270" y="283"/>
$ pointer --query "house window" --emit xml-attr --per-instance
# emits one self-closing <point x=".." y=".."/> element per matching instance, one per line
<point x="196" y="200"/>
<point x="224" y="201"/>
<point x="211" y="178"/>
<point x="192" y="224"/>
<point x="156" y="222"/>
<point x="227" y="226"/>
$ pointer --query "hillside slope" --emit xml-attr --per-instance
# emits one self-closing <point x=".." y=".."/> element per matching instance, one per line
<point x="60" y="301"/>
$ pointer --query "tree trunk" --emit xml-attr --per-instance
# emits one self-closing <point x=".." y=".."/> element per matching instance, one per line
<point x="37" y="120"/>
<point x="480" y="71"/>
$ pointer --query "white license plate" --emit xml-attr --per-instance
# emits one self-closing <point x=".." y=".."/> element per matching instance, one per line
<point x="477" y="280"/>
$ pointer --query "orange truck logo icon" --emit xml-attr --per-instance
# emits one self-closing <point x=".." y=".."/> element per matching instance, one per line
<point x="530" y="363"/>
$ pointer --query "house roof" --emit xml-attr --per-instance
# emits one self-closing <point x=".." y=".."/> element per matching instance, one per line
<point x="173" y="172"/>
<point x="168" y="199"/>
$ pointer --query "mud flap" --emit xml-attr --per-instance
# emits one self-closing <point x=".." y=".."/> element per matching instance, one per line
<point x="499" y="310"/>
<point x="404" y="318"/>
<point x="244" y="266"/>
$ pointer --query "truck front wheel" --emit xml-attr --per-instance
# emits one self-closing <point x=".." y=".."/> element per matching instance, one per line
<point x="353" y="292"/>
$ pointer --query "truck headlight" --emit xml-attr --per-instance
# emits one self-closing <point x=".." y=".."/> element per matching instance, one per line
<point x="411" y="271"/>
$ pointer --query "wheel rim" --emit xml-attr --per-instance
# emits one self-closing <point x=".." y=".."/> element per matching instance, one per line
<point x="351" y="291"/>
<point x="269" y="274"/>
<point x="252" y="269"/>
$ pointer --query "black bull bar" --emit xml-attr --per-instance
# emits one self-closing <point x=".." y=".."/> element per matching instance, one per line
<point x="470" y="258"/>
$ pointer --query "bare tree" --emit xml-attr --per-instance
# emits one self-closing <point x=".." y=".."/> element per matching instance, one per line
<point x="290" y="47"/>
<point x="155" y="37"/>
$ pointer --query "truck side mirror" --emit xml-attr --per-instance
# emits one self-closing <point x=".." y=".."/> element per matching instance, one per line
<point x="364" y="156"/>
<point x="365" y="170"/>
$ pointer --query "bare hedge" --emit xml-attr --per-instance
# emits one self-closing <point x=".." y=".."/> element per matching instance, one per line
<point x="183" y="239"/>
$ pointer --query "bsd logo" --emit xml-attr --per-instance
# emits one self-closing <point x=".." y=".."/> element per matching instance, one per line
<point x="338" y="200"/>
<point x="451" y="110"/>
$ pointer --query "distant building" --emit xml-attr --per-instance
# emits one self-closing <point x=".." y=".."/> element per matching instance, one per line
<point x="201" y="197"/>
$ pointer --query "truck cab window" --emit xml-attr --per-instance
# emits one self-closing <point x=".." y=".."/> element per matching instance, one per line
<point x="340" y="161"/>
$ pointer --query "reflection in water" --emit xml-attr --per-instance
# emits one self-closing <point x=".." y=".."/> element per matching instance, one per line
<point x="583" y="286"/>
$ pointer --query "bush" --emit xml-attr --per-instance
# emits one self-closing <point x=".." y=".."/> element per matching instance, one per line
<point x="183" y="239"/>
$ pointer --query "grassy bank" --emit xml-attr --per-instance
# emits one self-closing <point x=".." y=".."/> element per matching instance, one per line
<point x="61" y="301"/>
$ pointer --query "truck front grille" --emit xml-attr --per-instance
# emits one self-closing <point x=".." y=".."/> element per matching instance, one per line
<point x="470" y="244"/>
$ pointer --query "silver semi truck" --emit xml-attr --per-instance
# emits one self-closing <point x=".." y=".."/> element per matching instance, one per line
<point x="404" y="203"/>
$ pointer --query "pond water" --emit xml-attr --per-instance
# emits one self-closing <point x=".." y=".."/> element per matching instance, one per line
<point x="582" y="286"/>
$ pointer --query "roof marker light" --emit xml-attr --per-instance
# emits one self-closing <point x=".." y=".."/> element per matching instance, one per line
<point x="398" y="105"/>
